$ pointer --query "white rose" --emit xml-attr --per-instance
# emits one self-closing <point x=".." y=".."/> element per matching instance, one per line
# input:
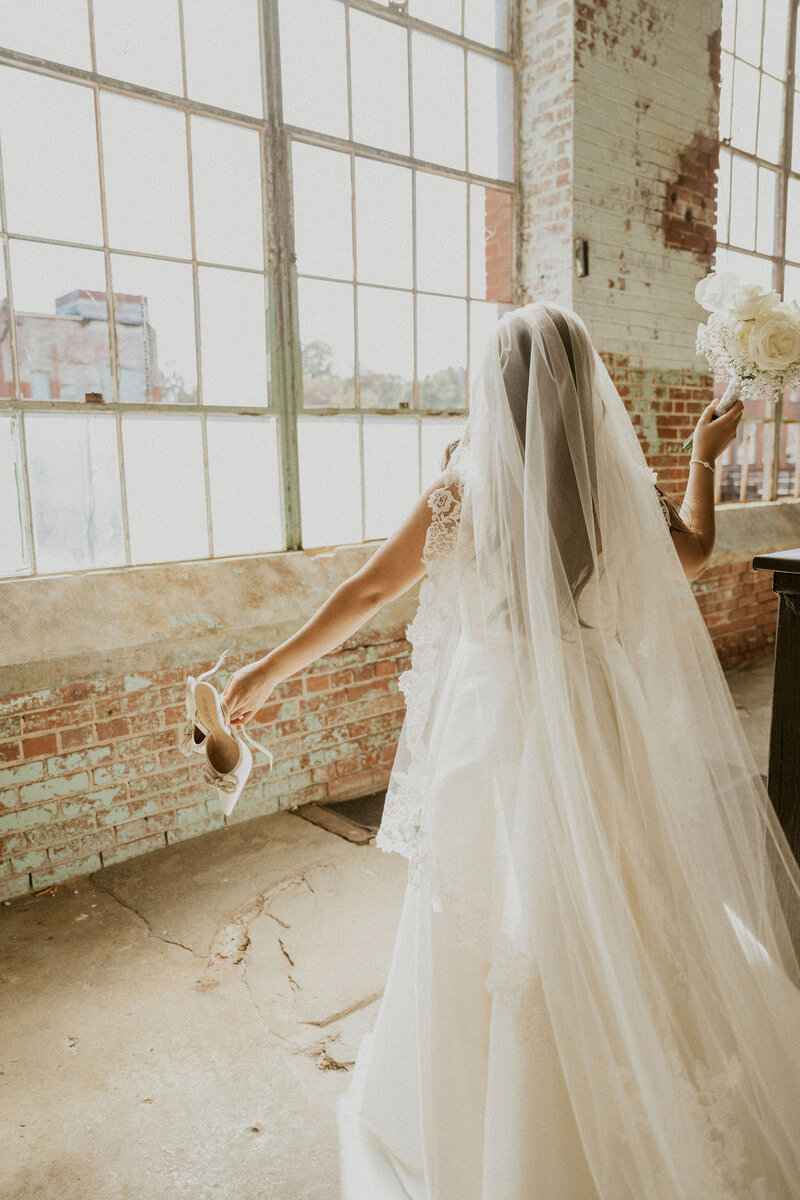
<point x="775" y="341"/>
<point x="789" y="309"/>
<point x="724" y="293"/>
<point x="738" y="340"/>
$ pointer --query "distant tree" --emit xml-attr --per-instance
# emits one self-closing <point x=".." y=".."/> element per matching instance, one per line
<point x="385" y="391"/>
<point x="445" y="389"/>
<point x="175" y="391"/>
<point x="317" y="360"/>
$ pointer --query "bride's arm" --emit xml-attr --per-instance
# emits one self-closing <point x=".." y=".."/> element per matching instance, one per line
<point x="394" y="567"/>
<point x="695" y="543"/>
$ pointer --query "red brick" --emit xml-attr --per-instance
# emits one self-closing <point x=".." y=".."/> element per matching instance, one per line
<point x="72" y="739"/>
<point x="10" y="752"/>
<point x="112" y="729"/>
<point x="36" y="747"/>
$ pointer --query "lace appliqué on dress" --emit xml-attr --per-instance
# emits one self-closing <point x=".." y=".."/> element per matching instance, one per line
<point x="402" y="824"/>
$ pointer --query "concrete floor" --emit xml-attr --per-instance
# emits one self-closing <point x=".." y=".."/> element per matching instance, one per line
<point x="179" y="1026"/>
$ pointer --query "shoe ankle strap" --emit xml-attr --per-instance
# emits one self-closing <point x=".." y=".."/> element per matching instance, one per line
<point x="254" y="745"/>
<point x="215" y="668"/>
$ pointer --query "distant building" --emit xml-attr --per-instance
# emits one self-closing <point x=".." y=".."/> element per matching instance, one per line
<point x="66" y="355"/>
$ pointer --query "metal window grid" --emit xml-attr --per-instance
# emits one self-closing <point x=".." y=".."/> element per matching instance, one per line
<point x="285" y="399"/>
<point x="778" y="260"/>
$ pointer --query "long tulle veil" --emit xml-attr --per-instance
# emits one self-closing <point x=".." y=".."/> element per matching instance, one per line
<point x="640" y="887"/>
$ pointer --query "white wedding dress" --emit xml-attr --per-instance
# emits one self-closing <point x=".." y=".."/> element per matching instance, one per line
<point x="570" y="1013"/>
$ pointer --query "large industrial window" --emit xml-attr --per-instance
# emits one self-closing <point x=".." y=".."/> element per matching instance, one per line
<point x="251" y="249"/>
<point x="758" y="217"/>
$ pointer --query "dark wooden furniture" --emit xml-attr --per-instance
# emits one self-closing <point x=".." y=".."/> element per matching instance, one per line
<point x="784" y="742"/>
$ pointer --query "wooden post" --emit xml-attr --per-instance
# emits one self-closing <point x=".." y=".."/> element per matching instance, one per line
<point x="784" y="743"/>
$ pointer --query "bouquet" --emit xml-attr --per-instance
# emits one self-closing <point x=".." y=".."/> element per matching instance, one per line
<point x="752" y="337"/>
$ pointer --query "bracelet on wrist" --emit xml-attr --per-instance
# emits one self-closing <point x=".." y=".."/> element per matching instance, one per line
<point x="703" y="463"/>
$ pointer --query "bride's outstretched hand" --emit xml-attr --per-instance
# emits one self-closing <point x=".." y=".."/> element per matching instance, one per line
<point x="247" y="690"/>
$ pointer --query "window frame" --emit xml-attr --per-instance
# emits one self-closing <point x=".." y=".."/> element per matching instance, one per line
<point x="284" y="368"/>
<point x="775" y="420"/>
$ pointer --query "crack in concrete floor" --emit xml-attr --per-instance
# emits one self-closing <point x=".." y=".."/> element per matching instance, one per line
<point x="103" y="887"/>
<point x="228" y="947"/>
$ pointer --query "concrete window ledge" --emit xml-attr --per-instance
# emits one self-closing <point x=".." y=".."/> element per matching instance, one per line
<point x="62" y="628"/>
<point x="757" y="527"/>
<point x="68" y="627"/>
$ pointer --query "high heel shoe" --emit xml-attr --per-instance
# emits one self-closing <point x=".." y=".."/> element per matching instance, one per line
<point x="228" y="754"/>
<point x="193" y="735"/>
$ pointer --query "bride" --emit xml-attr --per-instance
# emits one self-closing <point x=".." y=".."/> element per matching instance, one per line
<point x="594" y="992"/>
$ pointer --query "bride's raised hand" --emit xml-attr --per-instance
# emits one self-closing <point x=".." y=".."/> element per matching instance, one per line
<point x="712" y="434"/>
<point x="247" y="691"/>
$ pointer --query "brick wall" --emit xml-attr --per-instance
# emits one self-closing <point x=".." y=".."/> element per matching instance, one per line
<point x="90" y="773"/>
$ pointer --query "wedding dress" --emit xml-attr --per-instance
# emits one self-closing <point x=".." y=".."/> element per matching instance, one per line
<point x="594" y="992"/>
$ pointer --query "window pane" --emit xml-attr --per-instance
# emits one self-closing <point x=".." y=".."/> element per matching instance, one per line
<point x="313" y="48"/>
<point x="62" y="318"/>
<point x="322" y="211"/>
<point x="385" y="348"/>
<point x="748" y="267"/>
<point x="59" y="31"/>
<point x="383" y="223"/>
<point x="725" y="95"/>
<point x="379" y="81"/>
<point x="728" y="26"/>
<point x="483" y="320"/>
<point x="223" y="62"/>
<point x="162" y="347"/>
<point x="330" y="480"/>
<point x="776" y="27"/>
<point x="437" y="434"/>
<point x="441" y="351"/>
<point x="245" y="484"/>
<point x="770" y="119"/>
<point x="441" y="234"/>
<point x="165" y="487"/>
<point x="73" y="469"/>
<point x="233" y="337"/>
<point x="793" y="221"/>
<point x="6" y="366"/>
<point x="327" y="341"/>
<point x="140" y="42"/>
<point x="49" y="157"/>
<point x="146" y="176"/>
<point x="491" y="117"/>
<point x="445" y="13"/>
<point x="765" y="235"/>
<point x="487" y="21"/>
<point x="12" y="543"/>
<point x="491" y="243"/>
<point x="745" y="107"/>
<point x="438" y="74"/>
<point x="743" y="208"/>
<point x="796" y="130"/>
<point x="791" y="283"/>
<point x="748" y="30"/>
<point x="226" y="170"/>
<point x="723" y="195"/>
<point x="788" y="453"/>
<point x="391" y="473"/>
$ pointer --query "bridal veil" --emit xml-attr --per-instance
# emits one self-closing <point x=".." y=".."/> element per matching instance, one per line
<point x="626" y="878"/>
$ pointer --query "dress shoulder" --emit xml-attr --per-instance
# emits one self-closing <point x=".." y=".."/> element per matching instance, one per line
<point x="445" y="505"/>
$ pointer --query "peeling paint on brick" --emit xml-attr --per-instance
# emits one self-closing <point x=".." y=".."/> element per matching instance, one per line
<point x="690" y="207"/>
<point x="609" y="29"/>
